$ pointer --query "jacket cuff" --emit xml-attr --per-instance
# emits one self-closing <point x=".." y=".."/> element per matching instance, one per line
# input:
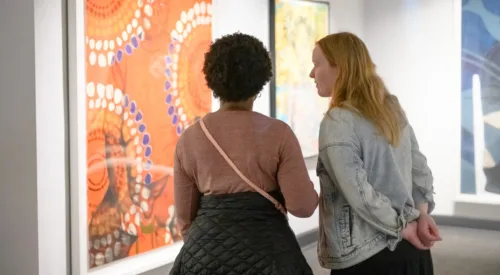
<point x="408" y="215"/>
<point x="422" y="195"/>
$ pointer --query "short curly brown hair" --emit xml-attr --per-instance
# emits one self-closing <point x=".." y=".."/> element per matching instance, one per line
<point x="237" y="66"/>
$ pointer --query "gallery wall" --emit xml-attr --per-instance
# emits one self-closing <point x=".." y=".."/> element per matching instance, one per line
<point x="417" y="48"/>
<point x="34" y="203"/>
<point x="52" y="137"/>
<point x="18" y="191"/>
<point x="413" y="44"/>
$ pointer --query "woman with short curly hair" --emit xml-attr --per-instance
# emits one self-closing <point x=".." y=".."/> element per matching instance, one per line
<point x="237" y="173"/>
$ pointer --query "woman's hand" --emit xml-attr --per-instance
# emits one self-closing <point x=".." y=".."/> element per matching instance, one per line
<point x="410" y="233"/>
<point x="427" y="230"/>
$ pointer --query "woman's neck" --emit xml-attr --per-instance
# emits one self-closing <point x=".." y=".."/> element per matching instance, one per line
<point x="237" y="106"/>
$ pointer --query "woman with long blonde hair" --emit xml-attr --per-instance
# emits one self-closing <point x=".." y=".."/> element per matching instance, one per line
<point x="376" y="186"/>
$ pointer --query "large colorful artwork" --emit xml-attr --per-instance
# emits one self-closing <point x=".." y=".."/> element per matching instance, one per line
<point x="297" y="26"/>
<point x="481" y="97"/>
<point x="144" y="87"/>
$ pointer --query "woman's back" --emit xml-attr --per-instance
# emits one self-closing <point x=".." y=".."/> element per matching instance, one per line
<point x="264" y="149"/>
<point x="222" y="218"/>
<point x="389" y="169"/>
<point x="252" y="141"/>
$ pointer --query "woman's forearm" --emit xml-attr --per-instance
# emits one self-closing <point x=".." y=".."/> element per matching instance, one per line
<point x="423" y="208"/>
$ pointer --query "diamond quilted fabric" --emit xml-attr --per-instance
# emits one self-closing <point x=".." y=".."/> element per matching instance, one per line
<point x="240" y="234"/>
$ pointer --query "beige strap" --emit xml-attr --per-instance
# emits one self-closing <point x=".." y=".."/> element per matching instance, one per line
<point x="245" y="179"/>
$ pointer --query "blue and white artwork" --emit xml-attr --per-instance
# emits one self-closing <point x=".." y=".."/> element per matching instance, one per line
<point x="480" y="173"/>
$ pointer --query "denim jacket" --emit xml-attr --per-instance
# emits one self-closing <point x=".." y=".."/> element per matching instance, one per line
<point x="369" y="188"/>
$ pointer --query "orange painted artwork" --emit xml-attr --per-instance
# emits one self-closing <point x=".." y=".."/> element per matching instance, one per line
<point x="145" y="85"/>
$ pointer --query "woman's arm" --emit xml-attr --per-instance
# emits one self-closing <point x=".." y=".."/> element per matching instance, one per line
<point x="186" y="196"/>
<point x="422" y="191"/>
<point x="300" y="197"/>
<point x="423" y="208"/>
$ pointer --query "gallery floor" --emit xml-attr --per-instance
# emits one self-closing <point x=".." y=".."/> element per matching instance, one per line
<point x="463" y="251"/>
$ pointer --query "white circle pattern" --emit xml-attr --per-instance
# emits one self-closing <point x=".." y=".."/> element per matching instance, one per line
<point x="199" y="14"/>
<point x="102" y="52"/>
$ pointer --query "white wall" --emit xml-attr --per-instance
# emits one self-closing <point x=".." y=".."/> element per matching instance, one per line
<point x="33" y="204"/>
<point x="250" y="17"/>
<point x="18" y="190"/>
<point x="347" y="15"/>
<point x="417" y="48"/>
<point x="51" y="137"/>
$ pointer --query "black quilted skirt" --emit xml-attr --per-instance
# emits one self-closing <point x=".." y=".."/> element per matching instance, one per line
<point x="240" y="234"/>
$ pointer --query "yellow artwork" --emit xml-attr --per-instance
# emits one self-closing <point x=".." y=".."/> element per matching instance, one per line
<point x="298" y="25"/>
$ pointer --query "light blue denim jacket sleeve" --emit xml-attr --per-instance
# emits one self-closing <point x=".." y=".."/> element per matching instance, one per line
<point x="343" y="162"/>
<point x="422" y="179"/>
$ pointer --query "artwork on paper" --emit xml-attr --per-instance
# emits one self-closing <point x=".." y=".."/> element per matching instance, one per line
<point x="297" y="26"/>
<point x="480" y="154"/>
<point x="144" y="87"/>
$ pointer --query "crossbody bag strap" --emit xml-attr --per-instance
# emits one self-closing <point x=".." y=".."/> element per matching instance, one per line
<point x="245" y="179"/>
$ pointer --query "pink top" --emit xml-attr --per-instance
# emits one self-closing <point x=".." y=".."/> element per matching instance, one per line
<point x="264" y="149"/>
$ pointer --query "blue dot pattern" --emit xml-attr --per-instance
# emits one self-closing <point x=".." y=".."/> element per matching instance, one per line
<point x="169" y="98"/>
<point x="141" y="127"/>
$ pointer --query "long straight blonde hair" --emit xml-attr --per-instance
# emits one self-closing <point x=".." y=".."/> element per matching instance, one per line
<point x="359" y="88"/>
